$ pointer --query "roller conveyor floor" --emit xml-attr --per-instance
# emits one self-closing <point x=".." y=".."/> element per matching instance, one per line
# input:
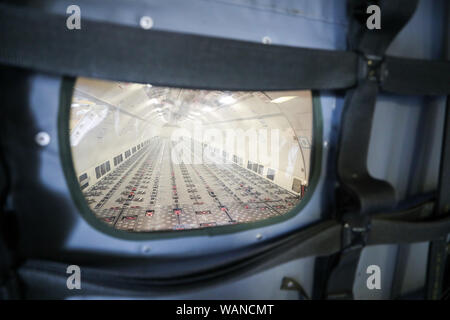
<point x="150" y="192"/>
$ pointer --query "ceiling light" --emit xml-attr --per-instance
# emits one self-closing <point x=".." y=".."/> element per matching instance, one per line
<point x="227" y="100"/>
<point x="283" y="99"/>
<point x="76" y="105"/>
<point x="207" y="109"/>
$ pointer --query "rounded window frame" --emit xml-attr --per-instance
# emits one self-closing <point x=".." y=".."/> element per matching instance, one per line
<point x="65" y="100"/>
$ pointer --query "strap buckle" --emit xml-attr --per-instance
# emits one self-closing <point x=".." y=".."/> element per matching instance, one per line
<point x="355" y="232"/>
<point x="372" y="68"/>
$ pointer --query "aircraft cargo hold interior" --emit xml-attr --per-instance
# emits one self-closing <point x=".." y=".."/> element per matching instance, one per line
<point x="224" y="155"/>
<point x="157" y="159"/>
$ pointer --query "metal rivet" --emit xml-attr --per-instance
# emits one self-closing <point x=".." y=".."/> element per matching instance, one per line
<point x="259" y="236"/>
<point x="146" y="22"/>
<point x="42" y="138"/>
<point x="325" y="144"/>
<point x="266" y="40"/>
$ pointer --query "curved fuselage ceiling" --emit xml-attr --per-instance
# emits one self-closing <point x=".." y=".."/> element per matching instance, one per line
<point x="108" y="118"/>
<point x="172" y="149"/>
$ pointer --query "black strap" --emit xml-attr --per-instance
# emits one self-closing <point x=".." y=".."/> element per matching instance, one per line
<point x="116" y="52"/>
<point x="438" y="254"/>
<point x="359" y="194"/>
<point x="318" y="240"/>
<point x="9" y="288"/>
<point x="369" y="194"/>
<point x="438" y="249"/>
<point x="415" y="77"/>
<point x="391" y="232"/>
